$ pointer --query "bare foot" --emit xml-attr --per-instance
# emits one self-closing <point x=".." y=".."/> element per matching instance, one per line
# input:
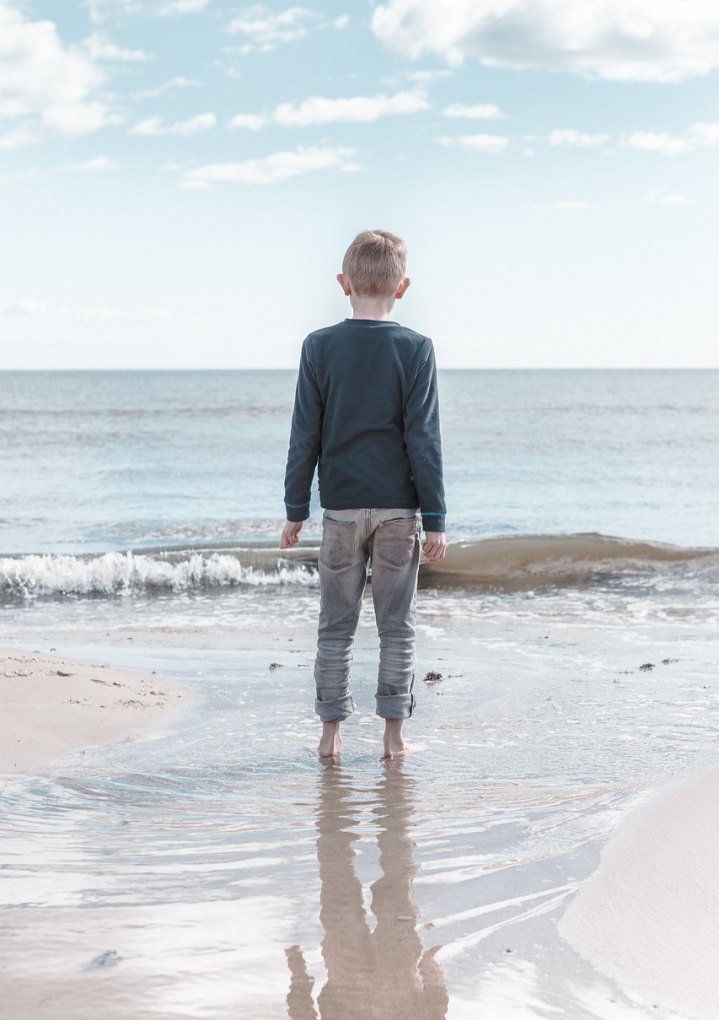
<point x="330" y="741"/>
<point x="394" y="744"/>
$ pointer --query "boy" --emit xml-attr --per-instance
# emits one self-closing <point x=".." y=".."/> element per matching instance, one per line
<point x="366" y="409"/>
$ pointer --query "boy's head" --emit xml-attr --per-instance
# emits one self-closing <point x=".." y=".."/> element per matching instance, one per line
<point x="374" y="265"/>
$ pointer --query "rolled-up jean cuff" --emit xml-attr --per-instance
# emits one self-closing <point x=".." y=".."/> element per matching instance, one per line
<point x="336" y="710"/>
<point x="395" y="706"/>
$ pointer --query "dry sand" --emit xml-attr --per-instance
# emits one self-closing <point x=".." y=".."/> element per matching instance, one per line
<point x="649" y="917"/>
<point x="51" y="706"/>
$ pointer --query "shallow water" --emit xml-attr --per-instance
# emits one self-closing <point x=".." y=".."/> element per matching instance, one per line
<point x="219" y="871"/>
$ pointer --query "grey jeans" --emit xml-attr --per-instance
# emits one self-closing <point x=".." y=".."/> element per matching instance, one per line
<point x="351" y="540"/>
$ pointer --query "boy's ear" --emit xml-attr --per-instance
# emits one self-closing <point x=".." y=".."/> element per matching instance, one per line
<point x="403" y="287"/>
<point x="344" y="283"/>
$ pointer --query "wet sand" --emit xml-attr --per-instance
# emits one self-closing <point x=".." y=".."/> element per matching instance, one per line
<point x="51" y="706"/>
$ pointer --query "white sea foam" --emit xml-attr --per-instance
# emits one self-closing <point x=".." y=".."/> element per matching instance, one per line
<point x="116" y="573"/>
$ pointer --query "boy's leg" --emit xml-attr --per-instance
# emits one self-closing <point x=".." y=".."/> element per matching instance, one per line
<point x="395" y="551"/>
<point x="343" y="575"/>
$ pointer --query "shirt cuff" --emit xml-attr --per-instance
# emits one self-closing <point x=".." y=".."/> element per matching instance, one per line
<point x="297" y="513"/>
<point x="433" y="522"/>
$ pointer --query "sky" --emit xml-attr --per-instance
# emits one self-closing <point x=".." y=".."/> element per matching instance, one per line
<point x="179" y="179"/>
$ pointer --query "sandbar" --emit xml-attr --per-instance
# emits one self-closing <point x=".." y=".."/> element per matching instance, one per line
<point x="649" y="917"/>
<point x="51" y="706"/>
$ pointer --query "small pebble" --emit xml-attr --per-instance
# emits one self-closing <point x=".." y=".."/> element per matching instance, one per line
<point x="107" y="959"/>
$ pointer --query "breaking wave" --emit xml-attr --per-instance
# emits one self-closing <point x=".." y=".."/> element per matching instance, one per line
<point x="510" y="563"/>
<point x="134" y="573"/>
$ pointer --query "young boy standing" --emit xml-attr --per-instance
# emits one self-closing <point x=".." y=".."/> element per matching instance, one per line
<point x="366" y="410"/>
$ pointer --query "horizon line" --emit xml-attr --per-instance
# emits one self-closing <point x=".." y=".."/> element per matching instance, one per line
<point x="450" y="368"/>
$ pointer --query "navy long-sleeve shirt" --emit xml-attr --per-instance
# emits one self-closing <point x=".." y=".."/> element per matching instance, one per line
<point x="366" y="411"/>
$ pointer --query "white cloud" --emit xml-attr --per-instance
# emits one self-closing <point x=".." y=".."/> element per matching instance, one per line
<point x="620" y="40"/>
<point x="187" y="128"/>
<point x="101" y="48"/>
<point x="101" y="10"/>
<point x="320" y="110"/>
<point x="363" y="109"/>
<point x="273" y="169"/>
<point x="577" y="139"/>
<point x="477" y="111"/>
<point x="652" y="141"/>
<point x="26" y="134"/>
<point x="659" y="196"/>
<point x="492" y="144"/>
<point x="99" y="164"/>
<point x="167" y="86"/>
<point x="90" y="315"/>
<point x="46" y="87"/>
<point x="426" y="77"/>
<point x="172" y="7"/>
<point x="265" y="30"/>
<point x="704" y="133"/>
<point x="26" y="306"/>
<point x="250" y="121"/>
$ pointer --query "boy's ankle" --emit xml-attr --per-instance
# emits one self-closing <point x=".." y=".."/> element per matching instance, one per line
<point x="330" y="741"/>
<point x="394" y="744"/>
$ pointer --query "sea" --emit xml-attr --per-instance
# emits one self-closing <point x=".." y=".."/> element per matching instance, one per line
<point x="568" y="665"/>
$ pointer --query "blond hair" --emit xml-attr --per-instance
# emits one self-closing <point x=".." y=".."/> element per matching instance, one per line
<point x="375" y="263"/>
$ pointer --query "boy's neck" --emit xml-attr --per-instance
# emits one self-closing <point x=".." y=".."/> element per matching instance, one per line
<point x="378" y="308"/>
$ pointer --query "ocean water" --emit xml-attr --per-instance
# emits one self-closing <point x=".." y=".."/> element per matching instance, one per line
<point x="217" y="870"/>
<point x="94" y="461"/>
<point x="185" y="469"/>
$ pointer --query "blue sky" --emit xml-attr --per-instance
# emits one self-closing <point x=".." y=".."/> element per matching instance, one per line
<point x="180" y="178"/>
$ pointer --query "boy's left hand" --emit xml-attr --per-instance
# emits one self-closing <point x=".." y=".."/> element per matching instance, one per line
<point x="434" y="546"/>
<point x="290" y="534"/>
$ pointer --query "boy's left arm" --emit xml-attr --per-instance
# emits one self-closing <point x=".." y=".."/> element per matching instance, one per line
<point x="304" y="450"/>
<point x="424" y="448"/>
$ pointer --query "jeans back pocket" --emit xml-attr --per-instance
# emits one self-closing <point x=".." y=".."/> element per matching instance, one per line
<point x="395" y="540"/>
<point x="337" y="549"/>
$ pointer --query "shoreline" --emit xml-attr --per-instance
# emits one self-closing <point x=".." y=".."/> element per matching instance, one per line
<point x="52" y="706"/>
<point x="649" y="916"/>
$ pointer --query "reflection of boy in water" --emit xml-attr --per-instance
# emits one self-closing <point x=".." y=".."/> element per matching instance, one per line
<point x="366" y="413"/>
<point x="371" y="975"/>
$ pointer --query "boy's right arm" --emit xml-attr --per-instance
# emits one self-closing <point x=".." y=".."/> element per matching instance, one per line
<point x="305" y="437"/>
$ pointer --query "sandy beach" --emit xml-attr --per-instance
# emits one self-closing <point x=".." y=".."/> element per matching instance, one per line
<point x="51" y="706"/>
<point x="649" y="916"/>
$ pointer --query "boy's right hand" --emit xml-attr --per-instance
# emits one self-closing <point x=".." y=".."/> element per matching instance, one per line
<point x="434" y="546"/>
<point x="290" y="534"/>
